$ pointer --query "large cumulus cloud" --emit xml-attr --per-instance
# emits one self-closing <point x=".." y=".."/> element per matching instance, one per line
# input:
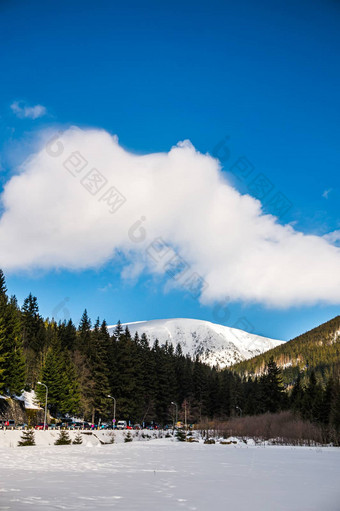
<point x="82" y="198"/>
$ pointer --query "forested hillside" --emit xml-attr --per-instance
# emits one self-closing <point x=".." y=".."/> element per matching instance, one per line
<point x="317" y="350"/>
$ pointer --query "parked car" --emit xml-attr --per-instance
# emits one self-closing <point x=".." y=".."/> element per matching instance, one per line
<point x="41" y="426"/>
<point x="7" y="424"/>
<point x="121" y="425"/>
<point x="137" y="426"/>
<point x="21" y="426"/>
<point x="76" y="425"/>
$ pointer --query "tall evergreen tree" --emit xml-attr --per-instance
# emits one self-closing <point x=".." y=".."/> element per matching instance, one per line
<point x="33" y="337"/>
<point x="84" y="330"/>
<point x="3" y="355"/>
<point x="13" y="366"/>
<point x="272" y="387"/>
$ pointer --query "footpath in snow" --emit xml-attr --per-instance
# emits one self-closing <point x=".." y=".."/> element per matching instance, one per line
<point x="164" y="474"/>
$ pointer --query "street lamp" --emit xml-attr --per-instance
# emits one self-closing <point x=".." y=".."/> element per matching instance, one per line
<point x="39" y="383"/>
<point x="175" y="404"/>
<point x="238" y="408"/>
<point x="114" y="410"/>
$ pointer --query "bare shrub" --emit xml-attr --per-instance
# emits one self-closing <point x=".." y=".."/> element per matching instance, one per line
<point x="280" y="428"/>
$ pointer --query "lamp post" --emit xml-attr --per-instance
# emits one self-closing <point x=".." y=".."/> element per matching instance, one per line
<point x="39" y="383"/>
<point x="238" y="408"/>
<point x="175" y="404"/>
<point x="114" y="410"/>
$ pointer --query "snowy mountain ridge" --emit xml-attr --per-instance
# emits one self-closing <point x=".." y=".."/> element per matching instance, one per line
<point x="213" y="343"/>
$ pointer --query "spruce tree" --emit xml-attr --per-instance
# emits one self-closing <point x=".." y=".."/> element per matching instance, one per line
<point x="33" y="331"/>
<point x="3" y="293"/>
<point x="98" y="365"/>
<point x="181" y="435"/>
<point x="128" y="437"/>
<point x="128" y="366"/>
<point x="84" y="330"/>
<point x="335" y="408"/>
<point x="147" y="370"/>
<point x="67" y="334"/>
<point x="3" y="355"/>
<point x="297" y="395"/>
<point x="118" y="330"/>
<point x="12" y="363"/>
<point x="63" y="438"/>
<point x="78" y="439"/>
<point x="312" y="399"/>
<point x="27" y="438"/>
<point x="272" y="387"/>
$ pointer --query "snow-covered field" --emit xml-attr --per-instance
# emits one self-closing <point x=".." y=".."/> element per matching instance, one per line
<point x="164" y="474"/>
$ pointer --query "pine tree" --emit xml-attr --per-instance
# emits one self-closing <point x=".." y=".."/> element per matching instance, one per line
<point x="164" y="380"/>
<point x="12" y="364"/>
<point x="60" y="376"/>
<point x="181" y="435"/>
<point x="147" y="369"/>
<point x="128" y="437"/>
<point x="297" y="395"/>
<point x="3" y="355"/>
<point x="272" y="387"/>
<point x="67" y="334"/>
<point x="118" y="330"/>
<point x="33" y="337"/>
<point x="52" y="376"/>
<point x="71" y="397"/>
<point x="326" y="404"/>
<point x="63" y="438"/>
<point x="3" y="293"/>
<point x="84" y="331"/>
<point x="127" y="389"/>
<point x="15" y="365"/>
<point x="32" y="323"/>
<point x="200" y="385"/>
<point x="335" y="408"/>
<point x="97" y="362"/>
<point x="27" y="438"/>
<point x="312" y="399"/>
<point x="78" y="439"/>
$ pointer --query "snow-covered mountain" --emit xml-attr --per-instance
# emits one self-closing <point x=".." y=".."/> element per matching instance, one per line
<point x="215" y="344"/>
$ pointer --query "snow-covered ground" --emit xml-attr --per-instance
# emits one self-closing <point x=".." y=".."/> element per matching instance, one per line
<point x="167" y="475"/>
<point x="10" y="438"/>
<point x="213" y="343"/>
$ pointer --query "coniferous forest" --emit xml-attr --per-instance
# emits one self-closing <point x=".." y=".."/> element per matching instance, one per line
<point x="83" y="365"/>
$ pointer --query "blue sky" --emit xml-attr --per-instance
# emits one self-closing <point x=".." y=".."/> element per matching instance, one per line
<point x="262" y="76"/>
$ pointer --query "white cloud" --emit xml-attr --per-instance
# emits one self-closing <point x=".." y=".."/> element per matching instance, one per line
<point x="51" y="220"/>
<point x="326" y="193"/>
<point x="332" y="237"/>
<point x="24" y="111"/>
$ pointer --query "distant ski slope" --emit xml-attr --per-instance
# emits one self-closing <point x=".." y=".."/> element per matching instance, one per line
<point x="215" y="344"/>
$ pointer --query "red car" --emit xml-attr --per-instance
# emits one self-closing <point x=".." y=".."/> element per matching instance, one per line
<point x="41" y="426"/>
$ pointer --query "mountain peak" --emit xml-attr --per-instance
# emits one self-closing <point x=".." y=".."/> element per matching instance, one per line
<point x="213" y="343"/>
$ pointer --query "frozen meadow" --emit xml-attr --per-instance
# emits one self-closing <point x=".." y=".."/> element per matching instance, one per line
<point x="164" y="474"/>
